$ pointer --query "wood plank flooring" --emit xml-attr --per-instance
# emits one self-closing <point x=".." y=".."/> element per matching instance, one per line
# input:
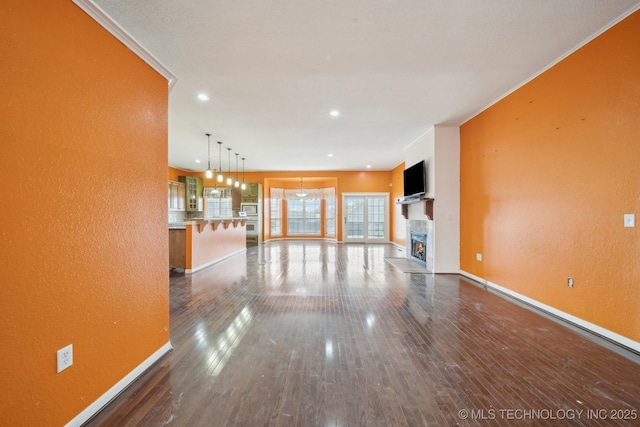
<point x="313" y="333"/>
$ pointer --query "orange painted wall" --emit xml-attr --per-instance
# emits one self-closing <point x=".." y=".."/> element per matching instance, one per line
<point x="398" y="222"/>
<point x="83" y="125"/>
<point x="175" y="173"/>
<point x="546" y="176"/>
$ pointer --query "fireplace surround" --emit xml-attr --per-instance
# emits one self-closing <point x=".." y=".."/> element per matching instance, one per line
<point x="418" y="246"/>
<point x="420" y="242"/>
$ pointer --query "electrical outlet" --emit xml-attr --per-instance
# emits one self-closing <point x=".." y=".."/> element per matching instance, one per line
<point x="629" y="220"/>
<point x="65" y="357"/>
<point x="478" y="257"/>
<point x="570" y="282"/>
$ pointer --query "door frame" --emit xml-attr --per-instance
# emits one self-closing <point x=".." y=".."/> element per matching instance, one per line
<point x="387" y="219"/>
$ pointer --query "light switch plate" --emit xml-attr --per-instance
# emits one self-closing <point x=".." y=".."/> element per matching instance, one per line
<point x="629" y="220"/>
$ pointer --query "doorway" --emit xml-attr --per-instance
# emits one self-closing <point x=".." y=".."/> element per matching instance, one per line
<point x="365" y="217"/>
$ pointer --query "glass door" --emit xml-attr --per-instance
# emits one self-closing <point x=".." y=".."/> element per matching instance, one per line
<point x="366" y="218"/>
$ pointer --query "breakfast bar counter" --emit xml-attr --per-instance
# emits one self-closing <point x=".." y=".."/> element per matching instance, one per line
<point x="209" y="241"/>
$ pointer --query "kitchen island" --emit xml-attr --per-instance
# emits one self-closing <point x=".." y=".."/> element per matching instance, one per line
<point x="206" y="242"/>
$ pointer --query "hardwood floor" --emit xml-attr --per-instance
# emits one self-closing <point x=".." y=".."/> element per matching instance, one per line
<point x="312" y="333"/>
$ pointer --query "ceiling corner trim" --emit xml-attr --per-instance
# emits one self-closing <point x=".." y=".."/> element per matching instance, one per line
<point x="102" y="18"/>
<point x="555" y="62"/>
<point x="430" y="129"/>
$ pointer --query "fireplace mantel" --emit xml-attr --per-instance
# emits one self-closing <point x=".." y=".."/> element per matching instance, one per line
<point x="428" y="206"/>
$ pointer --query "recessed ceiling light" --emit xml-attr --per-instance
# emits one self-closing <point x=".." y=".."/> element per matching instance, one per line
<point x="203" y="97"/>
<point x="197" y="161"/>
<point x="334" y="113"/>
<point x="368" y="166"/>
<point x="330" y="155"/>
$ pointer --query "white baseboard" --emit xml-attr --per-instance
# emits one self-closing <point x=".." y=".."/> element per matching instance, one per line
<point x="403" y="247"/>
<point x="114" y="391"/>
<point x="581" y="323"/>
<point x="215" y="261"/>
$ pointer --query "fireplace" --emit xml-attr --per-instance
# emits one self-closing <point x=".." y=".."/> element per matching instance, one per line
<point x="419" y="242"/>
<point x="419" y="248"/>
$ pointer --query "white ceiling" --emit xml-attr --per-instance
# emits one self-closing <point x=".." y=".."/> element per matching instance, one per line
<point x="274" y="69"/>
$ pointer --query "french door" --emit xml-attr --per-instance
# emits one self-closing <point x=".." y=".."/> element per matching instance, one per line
<point x="365" y="217"/>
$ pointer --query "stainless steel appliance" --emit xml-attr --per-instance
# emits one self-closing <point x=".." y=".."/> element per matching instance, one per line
<point x="251" y="205"/>
<point x="249" y="208"/>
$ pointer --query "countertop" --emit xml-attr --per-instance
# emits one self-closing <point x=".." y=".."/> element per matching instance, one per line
<point x="199" y="221"/>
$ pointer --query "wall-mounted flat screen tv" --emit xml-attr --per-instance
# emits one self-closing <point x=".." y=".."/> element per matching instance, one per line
<point x="415" y="181"/>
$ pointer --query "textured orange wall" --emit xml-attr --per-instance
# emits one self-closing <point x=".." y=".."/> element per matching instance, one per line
<point x="398" y="227"/>
<point x="175" y="173"/>
<point x="83" y="125"/>
<point x="546" y="176"/>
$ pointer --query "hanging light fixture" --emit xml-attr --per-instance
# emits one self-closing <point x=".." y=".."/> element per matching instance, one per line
<point x="229" y="180"/>
<point x="243" y="186"/>
<point x="209" y="172"/>
<point x="236" y="183"/>
<point x="220" y="177"/>
<point x="215" y="186"/>
<point x="301" y="193"/>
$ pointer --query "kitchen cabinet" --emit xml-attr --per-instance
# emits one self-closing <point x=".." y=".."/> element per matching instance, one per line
<point x="176" y="196"/>
<point x="177" y="248"/>
<point x="236" y="198"/>
<point x="251" y="193"/>
<point x="193" y="192"/>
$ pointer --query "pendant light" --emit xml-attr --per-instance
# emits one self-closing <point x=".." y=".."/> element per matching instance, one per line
<point x="229" y="180"/>
<point x="215" y="186"/>
<point x="243" y="186"/>
<point x="209" y="172"/>
<point x="237" y="183"/>
<point x="220" y="177"/>
<point x="301" y="193"/>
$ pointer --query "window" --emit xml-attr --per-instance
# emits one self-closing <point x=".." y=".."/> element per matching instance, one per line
<point x="376" y="217"/>
<point x="303" y="216"/>
<point x="218" y="203"/>
<point x="355" y="217"/>
<point x="314" y="215"/>
<point x="330" y="217"/>
<point x="276" y="217"/>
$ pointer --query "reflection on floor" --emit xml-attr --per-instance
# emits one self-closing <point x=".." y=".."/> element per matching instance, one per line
<point x="321" y="334"/>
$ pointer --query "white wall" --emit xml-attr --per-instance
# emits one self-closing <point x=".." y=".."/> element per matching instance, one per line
<point x="422" y="149"/>
<point x="439" y="147"/>
<point x="446" y="207"/>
